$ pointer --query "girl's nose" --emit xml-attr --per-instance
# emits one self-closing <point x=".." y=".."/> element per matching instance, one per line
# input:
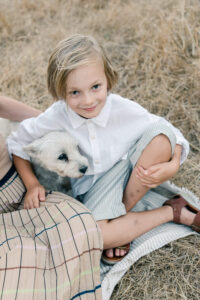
<point x="88" y="99"/>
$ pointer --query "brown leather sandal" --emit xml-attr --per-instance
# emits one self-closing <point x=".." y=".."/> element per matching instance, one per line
<point x="177" y="203"/>
<point x="115" y="259"/>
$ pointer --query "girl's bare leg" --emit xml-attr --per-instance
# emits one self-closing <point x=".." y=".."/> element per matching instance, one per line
<point x="124" y="229"/>
<point x="157" y="151"/>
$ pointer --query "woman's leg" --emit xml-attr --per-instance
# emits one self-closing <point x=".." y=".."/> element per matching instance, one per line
<point x="52" y="252"/>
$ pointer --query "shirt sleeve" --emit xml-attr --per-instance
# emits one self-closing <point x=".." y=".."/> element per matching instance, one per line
<point x="32" y="129"/>
<point x="180" y="139"/>
<point x="138" y="115"/>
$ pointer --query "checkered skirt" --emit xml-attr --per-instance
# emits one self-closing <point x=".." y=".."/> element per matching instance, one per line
<point x="51" y="252"/>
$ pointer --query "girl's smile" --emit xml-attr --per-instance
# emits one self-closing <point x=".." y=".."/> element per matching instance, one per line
<point x="87" y="89"/>
<point x="90" y="108"/>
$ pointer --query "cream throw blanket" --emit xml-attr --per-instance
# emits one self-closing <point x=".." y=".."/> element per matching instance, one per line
<point x="151" y="240"/>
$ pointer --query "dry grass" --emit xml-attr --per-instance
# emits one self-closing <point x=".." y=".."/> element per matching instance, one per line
<point x="155" y="45"/>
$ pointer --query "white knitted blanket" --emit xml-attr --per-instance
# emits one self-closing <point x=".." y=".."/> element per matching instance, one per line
<point x="151" y="240"/>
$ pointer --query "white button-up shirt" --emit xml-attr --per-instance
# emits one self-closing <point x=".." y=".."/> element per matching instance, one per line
<point x="104" y="140"/>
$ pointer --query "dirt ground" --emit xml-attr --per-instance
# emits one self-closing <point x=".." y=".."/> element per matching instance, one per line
<point x="155" y="46"/>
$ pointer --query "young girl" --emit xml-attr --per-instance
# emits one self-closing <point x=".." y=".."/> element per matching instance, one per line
<point x="129" y="150"/>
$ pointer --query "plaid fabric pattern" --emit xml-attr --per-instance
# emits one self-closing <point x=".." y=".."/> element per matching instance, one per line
<point x="12" y="191"/>
<point x="52" y="252"/>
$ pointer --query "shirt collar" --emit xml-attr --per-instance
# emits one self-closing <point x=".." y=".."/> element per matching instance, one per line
<point x="100" y="120"/>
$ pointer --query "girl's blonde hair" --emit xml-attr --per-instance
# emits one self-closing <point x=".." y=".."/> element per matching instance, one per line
<point x="73" y="52"/>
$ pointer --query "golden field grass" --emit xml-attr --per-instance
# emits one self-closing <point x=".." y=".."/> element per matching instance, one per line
<point x="155" y="46"/>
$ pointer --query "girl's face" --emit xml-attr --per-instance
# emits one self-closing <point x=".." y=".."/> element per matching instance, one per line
<point x="86" y="91"/>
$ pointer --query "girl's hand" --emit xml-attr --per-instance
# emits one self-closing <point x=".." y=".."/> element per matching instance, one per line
<point x="156" y="174"/>
<point x="34" y="195"/>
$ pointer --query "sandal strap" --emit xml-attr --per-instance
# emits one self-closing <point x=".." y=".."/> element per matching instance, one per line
<point x="113" y="260"/>
<point x="177" y="206"/>
<point x="124" y="247"/>
<point x="196" y="223"/>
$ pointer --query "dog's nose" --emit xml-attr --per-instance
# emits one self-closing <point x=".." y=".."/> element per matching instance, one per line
<point x="83" y="169"/>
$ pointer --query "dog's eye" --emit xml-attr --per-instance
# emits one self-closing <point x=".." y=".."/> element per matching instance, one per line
<point x="63" y="156"/>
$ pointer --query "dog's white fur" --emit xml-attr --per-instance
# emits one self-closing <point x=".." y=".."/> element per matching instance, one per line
<point x="55" y="157"/>
<point x="51" y="171"/>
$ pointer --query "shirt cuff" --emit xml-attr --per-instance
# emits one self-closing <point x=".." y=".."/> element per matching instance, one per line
<point x="185" y="149"/>
<point x="18" y="152"/>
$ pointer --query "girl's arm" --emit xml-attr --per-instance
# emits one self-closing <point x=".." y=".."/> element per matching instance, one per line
<point x="16" y="111"/>
<point x="35" y="191"/>
<point x="159" y="173"/>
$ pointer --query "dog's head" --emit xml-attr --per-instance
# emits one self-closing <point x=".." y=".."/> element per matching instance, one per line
<point x="58" y="152"/>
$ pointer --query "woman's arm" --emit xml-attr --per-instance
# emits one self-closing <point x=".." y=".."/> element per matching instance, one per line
<point x="35" y="191"/>
<point x="16" y="111"/>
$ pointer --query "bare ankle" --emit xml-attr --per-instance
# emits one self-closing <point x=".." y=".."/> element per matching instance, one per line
<point x="187" y="217"/>
<point x="169" y="213"/>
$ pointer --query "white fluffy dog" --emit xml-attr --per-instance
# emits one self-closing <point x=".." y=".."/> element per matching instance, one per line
<point x="55" y="157"/>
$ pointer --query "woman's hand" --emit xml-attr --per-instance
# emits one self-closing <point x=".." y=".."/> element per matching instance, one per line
<point x="34" y="195"/>
<point x="157" y="174"/>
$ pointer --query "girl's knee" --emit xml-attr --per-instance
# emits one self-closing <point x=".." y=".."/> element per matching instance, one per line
<point x="161" y="144"/>
<point x="158" y="150"/>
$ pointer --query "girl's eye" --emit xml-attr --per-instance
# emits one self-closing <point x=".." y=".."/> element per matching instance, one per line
<point x="74" y="93"/>
<point x="96" y="86"/>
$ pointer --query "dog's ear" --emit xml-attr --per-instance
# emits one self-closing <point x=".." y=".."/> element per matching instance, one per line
<point x="33" y="149"/>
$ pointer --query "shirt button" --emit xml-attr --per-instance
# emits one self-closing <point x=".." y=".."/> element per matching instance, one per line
<point x="92" y="137"/>
<point x="96" y="162"/>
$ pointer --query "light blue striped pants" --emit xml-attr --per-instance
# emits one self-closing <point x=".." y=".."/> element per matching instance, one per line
<point x="104" y="198"/>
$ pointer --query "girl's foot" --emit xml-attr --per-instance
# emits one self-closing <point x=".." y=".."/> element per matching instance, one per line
<point x="179" y="210"/>
<point x="112" y="256"/>
<point x="184" y="212"/>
